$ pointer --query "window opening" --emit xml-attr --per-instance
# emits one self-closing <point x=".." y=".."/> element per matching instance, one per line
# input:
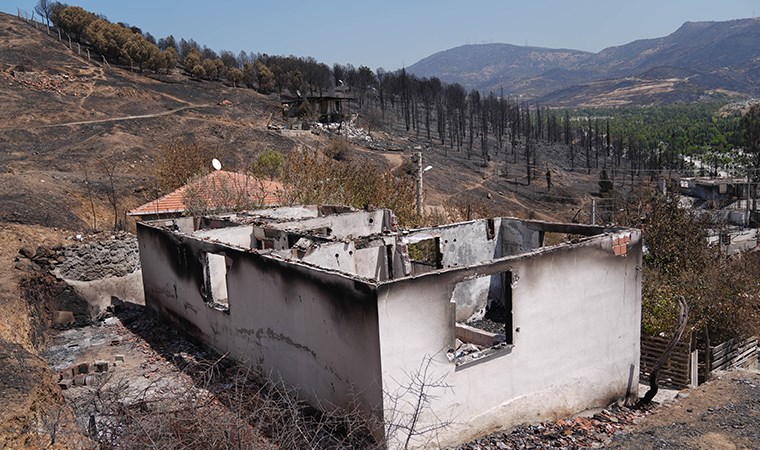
<point x="425" y="255"/>
<point x="484" y="320"/>
<point x="215" y="278"/>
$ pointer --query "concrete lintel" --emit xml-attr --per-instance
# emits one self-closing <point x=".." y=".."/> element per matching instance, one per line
<point x="557" y="227"/>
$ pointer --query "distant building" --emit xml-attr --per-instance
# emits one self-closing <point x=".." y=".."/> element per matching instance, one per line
<point x="725" y="199"/>
<point x="218" y="191"/>
<point x="331" y="107"/>
<point x="345" y="308"/>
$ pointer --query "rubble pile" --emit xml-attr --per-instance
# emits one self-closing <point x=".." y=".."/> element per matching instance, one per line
<point x="57" y="83"/>
<point x="42" y="259"/>
<point x="355" y="134"/>
<point x="581" y="432"/>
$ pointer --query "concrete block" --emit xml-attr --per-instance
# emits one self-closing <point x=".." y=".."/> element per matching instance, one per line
<point x="83" y="367"/>
<point x="101" y="366"/>
<point x="91" y="379"/>
<point x="118" y="358"/>
<point x="475" y="336"/>
<point x="80" y="379"/>
<point x="65" y="383"/>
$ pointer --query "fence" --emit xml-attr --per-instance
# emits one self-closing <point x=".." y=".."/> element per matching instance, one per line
<point x="676" y="373"/>
<point x="64" y="38"/>
<point x="689" y="364"/>
<point x="734" y="354"/>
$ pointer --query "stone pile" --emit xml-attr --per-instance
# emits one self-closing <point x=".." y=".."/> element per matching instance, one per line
<point x="43" y="258"/>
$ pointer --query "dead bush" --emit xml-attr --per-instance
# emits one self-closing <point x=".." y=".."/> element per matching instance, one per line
<point x="312" y="177"/>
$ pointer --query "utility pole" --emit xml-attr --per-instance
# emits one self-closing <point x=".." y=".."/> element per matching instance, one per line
<point x="419" y="184"/>
<point x="746" y="207"/>
<point x="593" y="211"/>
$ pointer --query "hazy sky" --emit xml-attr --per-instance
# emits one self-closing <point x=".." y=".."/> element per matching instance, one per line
<point x="392" y="33"/>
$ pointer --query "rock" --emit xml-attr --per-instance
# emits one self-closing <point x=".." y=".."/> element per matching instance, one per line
<point x="63" y="319"/>
<point x="42" y="253"/>
<point x="26" y="252"/>
<point x="26" y="265"/>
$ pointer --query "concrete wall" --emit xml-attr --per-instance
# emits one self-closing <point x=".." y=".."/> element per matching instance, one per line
<point x="576" y="319"/>
<point x="240" y="236"/>
<point x="315" y="329"/>
<point x="468" y="243"/>
<point x="358" y="223"/>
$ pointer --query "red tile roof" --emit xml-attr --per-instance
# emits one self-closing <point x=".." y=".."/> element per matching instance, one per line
<point x="218" y="190"/>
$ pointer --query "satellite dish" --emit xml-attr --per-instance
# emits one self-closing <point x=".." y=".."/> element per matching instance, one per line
<point x="217" y="165"/>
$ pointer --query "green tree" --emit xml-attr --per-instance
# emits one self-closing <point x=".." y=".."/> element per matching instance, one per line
<point x="72" y="19"/>
<point x="269" y="164"/>
<point x="139" y="51"/>
<point x="170" y="58"/>
<point x="235" y="75"/>
<point x="265" y="78"/>
<point x="198" y="71"/>
<point x="192" y="58"/>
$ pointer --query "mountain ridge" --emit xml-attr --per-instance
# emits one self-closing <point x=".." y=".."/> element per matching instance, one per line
<point x="708" y="56"/>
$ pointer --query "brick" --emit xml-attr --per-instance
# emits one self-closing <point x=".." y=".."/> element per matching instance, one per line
<point x="617" y="250"/>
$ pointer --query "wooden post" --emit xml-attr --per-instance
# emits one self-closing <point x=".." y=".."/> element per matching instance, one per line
<point x="694" y="369"/>
<point x="708" y="355"/>
<point x="69" y="40"/>
<point x="79" y="49"/>
<point x="88" y="54"/>
<point x="59" y="35"/>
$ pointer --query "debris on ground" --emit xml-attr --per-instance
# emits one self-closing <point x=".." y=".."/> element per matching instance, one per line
<point x="581" y="432"/>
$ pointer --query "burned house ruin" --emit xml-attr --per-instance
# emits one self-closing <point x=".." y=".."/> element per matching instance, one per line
<point x="345" y="307"/>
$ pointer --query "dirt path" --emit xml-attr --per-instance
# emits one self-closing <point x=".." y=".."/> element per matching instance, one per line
<point x="113" y="119"/>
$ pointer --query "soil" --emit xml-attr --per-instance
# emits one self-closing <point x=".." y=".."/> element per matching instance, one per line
<point x="722" y="414"/>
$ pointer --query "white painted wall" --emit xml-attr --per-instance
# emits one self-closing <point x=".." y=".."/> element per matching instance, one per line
<point x="315" y="329"/>
<point x="576" y="340"/>
<point x="576" y="327"/>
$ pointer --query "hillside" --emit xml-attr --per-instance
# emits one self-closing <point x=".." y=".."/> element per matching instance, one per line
<point x="700" y="60"/>
<point x="65" y="118"/>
